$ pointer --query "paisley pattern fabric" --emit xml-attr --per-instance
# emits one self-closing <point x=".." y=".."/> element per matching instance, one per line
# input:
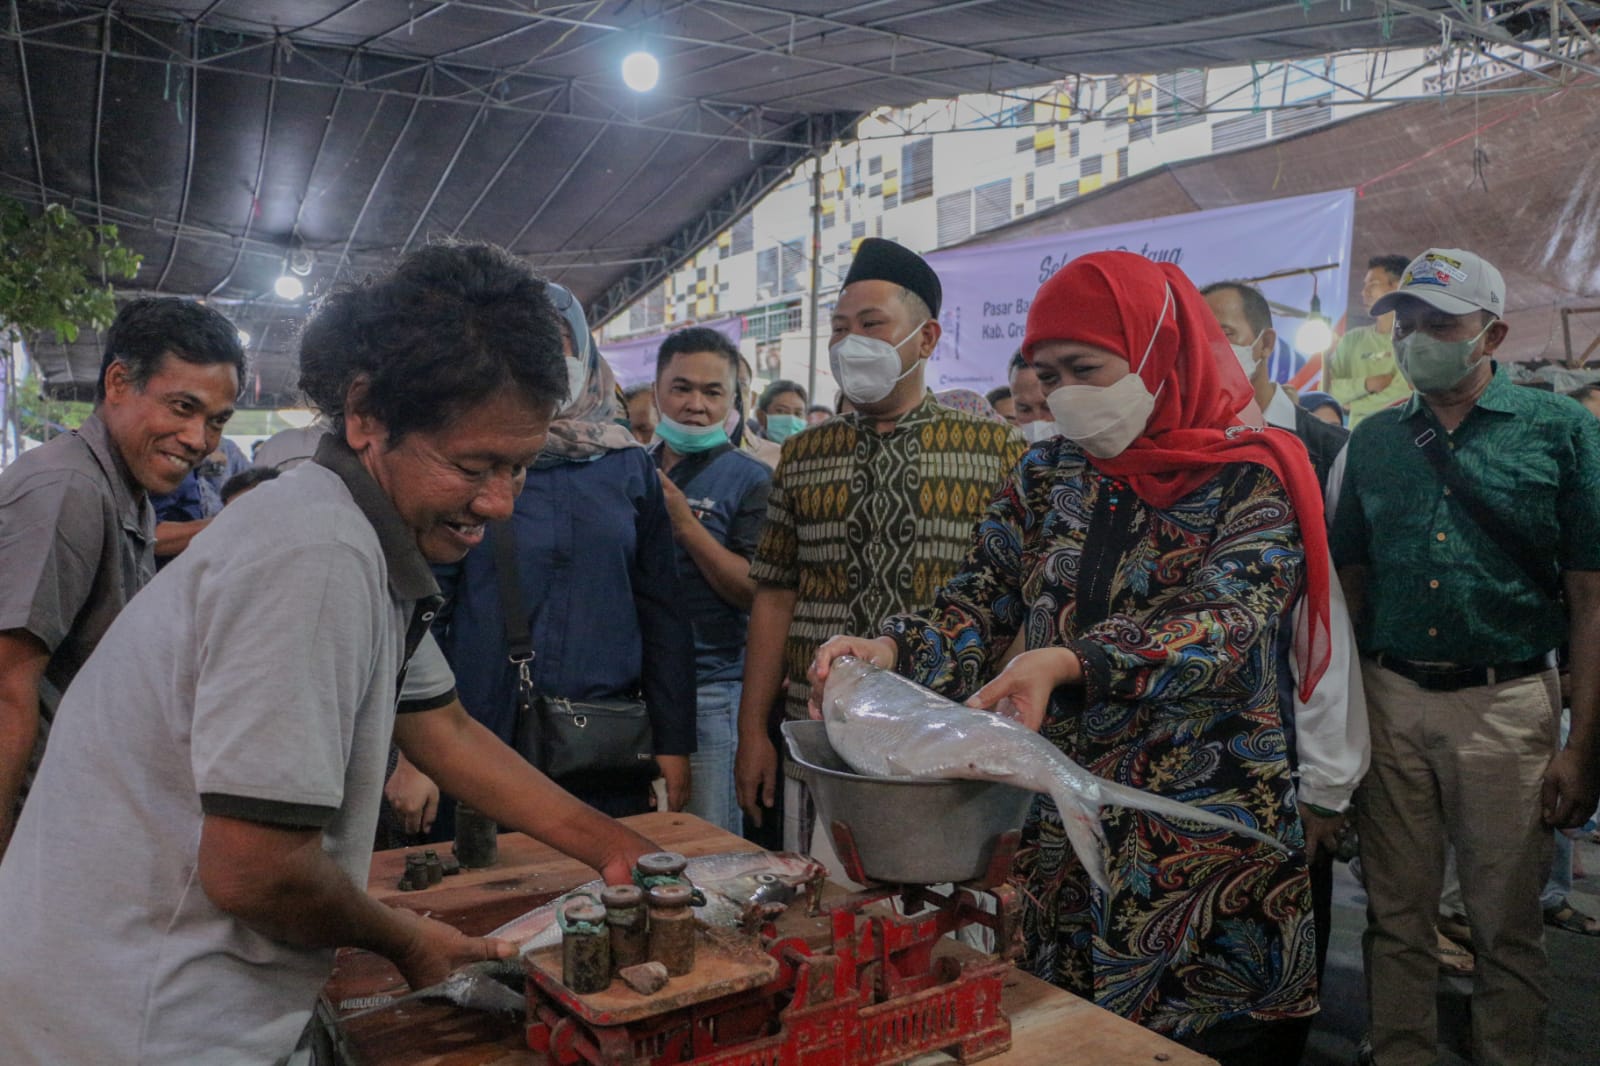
<point x="1173" y="614"/>
<point x="862" y="524"/>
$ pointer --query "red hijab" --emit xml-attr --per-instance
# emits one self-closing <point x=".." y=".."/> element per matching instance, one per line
<point x="1120" y="302"/>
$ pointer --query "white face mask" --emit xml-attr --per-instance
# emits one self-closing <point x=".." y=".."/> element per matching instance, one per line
<point x="1104" y="419"/>
<point x="1246" y="354"/>
<point x="868" y="369"/>
<point x="1042" y="430"/>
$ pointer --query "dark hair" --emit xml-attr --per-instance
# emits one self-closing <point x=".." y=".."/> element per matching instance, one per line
<point x="1584" y="392"/>
<point x="1393" y="265"/>
<point x="820" y="409"/>
<point x="147" y="329"/>
<point x="1017" y="363"/>
<point x="450" y="327"/>
<point x="633" y="392"/>
<point x="245" y="480"/>
<point x="1256" y="310"/>
<point x="998" y="393"/>
<point x="778" y="388"/>
<point x="697" y="339"/>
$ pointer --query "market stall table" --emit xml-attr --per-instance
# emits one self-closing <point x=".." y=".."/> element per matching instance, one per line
<point x="1049" y="1027"/>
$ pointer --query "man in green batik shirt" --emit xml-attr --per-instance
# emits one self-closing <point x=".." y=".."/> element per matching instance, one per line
<point x="1361" y="373"/>
<point x="1458" y="637"/>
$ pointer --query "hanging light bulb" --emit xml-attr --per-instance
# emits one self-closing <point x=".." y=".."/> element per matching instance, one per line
<point x="244" y="338"/>
<point x="289" y="287"/>
<point x="1315" y="333"/>
<point x="640" y="70"/>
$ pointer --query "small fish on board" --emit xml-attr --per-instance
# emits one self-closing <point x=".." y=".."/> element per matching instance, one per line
<point x="885" y="725"/>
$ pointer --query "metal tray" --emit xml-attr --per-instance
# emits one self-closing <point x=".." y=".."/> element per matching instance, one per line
<point x="906" y="831"/>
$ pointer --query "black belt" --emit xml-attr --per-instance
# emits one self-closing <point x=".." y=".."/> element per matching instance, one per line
<point x="1447" y="677"/>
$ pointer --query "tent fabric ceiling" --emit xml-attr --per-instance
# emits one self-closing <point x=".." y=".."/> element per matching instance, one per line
<point x="228" y="138"/>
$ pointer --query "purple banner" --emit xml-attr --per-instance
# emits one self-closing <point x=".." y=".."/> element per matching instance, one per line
<point x="634" y="360"/>
<point x="988" y="287"/>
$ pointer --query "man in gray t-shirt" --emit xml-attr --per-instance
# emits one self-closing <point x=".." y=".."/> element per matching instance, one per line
<point x="197" y="842"/>
<point x="76" y="526"/>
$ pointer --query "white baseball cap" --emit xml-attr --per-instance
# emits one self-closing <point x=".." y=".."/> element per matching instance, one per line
<point x="1454" y="281"/>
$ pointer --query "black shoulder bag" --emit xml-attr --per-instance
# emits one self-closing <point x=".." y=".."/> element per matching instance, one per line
<point x="567" y="739"/>
<point x="1545" y="578"/>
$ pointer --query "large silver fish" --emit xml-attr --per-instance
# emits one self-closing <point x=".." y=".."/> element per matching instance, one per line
<point x="884" y="725"/>
<point x="737" y="886"/>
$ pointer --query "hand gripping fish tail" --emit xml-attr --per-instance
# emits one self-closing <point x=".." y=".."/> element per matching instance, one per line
<point x="884" y="725"/>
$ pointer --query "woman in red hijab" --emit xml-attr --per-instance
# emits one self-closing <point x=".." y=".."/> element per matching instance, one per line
<point x="1148" y="558"/>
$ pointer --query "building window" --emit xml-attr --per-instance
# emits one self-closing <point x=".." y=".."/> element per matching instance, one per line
<point x="955" y="217"/>
<point x="992" y="204"/>
<point x="766" y="273"/>
<point x="744" y="236"/>
<point x="792" y="263"/>
<point x="1238" y="132"/>
<point x="916" y="164"/>
<point x="1182" y="99"/>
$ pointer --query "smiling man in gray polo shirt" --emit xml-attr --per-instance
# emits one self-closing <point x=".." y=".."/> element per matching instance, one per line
<point x="76" y="527"/>
<point x="198" y="839"/>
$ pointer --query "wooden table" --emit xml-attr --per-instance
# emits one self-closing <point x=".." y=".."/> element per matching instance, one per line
<point x="1049" y="1027"/>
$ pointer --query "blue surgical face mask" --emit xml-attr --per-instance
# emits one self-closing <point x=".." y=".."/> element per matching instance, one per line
<point x="687" y="440"/>
<point x="781" y="427"/>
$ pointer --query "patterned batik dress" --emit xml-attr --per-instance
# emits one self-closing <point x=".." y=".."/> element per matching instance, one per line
<point x="1173" y="614"/>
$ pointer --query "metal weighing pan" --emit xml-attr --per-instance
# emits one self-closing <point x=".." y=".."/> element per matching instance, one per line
<point x="907" y="831"/>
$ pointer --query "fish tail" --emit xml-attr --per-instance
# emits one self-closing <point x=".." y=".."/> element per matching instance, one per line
<point x="1124" y="796"/>
<point x="1081" y="821"/>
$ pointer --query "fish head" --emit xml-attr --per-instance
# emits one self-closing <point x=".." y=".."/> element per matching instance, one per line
<point x="845" y="675"/>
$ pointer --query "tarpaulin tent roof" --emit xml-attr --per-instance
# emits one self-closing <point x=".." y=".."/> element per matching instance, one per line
<point x="231" y="139"/>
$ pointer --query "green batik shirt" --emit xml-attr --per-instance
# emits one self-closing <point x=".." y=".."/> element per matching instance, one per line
<point x="1438" y="588"/>
<point x="863" y="525"/>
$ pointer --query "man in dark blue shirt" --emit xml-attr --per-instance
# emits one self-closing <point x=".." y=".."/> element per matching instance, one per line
<point x="717" y="499"/>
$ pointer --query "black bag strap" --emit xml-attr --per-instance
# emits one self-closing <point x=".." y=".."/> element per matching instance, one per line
<point x="519" y="639"/>
<point x="1510" y="543"/>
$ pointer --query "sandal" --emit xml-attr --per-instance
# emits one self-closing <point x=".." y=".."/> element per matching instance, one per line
<point x="1456" y="928"/>
<point x="1568" y="917"/>
<point x="1454" y="959"/>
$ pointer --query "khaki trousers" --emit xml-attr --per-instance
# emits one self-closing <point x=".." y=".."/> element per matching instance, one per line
<point x="1463" y="767"/>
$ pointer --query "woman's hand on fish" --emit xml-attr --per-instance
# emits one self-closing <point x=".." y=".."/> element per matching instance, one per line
<point x="880" y="651"/>
<point x="433" y="950"/>
<point x="1024" y="686"/>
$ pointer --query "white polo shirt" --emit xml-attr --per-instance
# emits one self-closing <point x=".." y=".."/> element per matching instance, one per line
<point x="254" y="678"/>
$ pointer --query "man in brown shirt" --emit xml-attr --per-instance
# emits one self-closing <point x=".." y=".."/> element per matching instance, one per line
<point x="76" y="526"/>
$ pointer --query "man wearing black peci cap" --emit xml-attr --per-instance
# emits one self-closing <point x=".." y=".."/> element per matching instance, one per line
<point x="1465" y="539"/>
<point x="870" y="512"/>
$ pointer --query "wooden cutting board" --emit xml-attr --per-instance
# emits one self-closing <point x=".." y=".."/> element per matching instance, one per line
<point x="1049" y="1027"/>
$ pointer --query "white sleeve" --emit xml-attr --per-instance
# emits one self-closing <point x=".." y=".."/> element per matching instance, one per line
<point x="1330" y="728"/>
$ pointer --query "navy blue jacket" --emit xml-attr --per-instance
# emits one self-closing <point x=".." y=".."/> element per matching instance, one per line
<point x="598" y="576"/>
<point x="727" y="489"/>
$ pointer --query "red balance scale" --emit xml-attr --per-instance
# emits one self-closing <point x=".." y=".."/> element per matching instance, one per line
<point x="877" y="992"/>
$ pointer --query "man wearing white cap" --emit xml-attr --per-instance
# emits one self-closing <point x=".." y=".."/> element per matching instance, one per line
<point x="1466" y="512"/>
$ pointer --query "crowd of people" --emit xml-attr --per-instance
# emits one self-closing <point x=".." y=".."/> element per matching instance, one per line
<point x="1361" y="621"/>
